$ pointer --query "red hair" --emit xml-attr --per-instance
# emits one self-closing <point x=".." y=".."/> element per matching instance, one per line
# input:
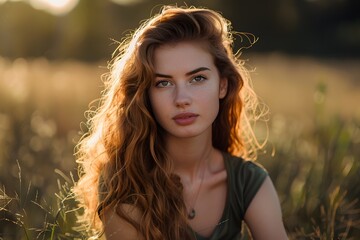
<point x="122" y="159"/>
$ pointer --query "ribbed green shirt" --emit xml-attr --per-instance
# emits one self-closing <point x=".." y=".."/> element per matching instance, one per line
<point x="244" y="179"/>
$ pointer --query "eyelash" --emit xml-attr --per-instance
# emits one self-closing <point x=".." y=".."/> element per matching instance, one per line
<point x="199" y="76"/>
<point x="193" y="80"/>
<point x="158" y="83"/>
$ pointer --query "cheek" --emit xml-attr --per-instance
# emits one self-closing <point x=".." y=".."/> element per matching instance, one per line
<point x="152" y="98"/>
<point x="210" y="95"/>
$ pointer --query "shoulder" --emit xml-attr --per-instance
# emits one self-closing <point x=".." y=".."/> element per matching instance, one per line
<point x="244" y="171"/>
<point x="245" y="179"/>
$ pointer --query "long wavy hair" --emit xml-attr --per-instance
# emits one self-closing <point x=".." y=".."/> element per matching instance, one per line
<point x="122" y="159"/>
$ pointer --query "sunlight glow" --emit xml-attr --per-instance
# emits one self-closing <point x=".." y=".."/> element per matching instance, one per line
<point x="62" y="7"/>
<point x="56" y="7"/>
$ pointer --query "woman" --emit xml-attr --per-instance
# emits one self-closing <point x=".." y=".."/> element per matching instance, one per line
<point x="159" y="161"/>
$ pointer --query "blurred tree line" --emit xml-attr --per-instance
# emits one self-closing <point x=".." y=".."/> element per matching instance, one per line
<point x="326" y="28"/>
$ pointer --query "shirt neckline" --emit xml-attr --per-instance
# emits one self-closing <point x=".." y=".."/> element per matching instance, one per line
<point x="225" y="213"/>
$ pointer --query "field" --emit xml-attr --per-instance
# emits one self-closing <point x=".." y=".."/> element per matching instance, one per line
<point x="312" y="151"/>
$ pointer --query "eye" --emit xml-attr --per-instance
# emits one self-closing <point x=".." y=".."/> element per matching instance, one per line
<point x="163" y="84"/>
<point x="198" y="78"/>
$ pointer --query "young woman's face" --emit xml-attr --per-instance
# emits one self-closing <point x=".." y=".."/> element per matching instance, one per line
<point x="186" y="89"/>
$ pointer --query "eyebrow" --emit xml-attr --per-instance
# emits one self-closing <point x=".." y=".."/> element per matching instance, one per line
<point x="187" y="74"/>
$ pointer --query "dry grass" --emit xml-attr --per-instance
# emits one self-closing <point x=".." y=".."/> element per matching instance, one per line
<point x="288" y="85"/>
<point x="312" y="155"/>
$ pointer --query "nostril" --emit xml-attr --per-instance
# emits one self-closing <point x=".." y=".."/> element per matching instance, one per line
<point x="182" y="103"/>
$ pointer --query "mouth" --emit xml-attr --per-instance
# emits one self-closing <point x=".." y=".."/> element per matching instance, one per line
<point x="184" y="119"/>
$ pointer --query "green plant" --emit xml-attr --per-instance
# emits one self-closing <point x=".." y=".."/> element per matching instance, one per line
<point x="316" y="173"/>
<point x="56" y="219"/>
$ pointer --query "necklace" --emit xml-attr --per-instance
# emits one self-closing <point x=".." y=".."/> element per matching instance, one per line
<point x="192" y="213"/>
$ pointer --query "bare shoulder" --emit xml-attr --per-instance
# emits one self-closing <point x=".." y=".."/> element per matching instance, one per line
<point x="263" y="215"/>
<point x="115" y="227"/>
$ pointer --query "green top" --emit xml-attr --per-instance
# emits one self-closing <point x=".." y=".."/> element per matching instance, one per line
<point x="244" y="179"/>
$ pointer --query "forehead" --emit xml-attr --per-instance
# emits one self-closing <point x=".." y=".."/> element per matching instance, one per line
<point x="182" y="56"/>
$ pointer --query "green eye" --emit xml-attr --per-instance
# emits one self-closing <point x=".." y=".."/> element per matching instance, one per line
<point x="199" y="78"/>
<point x="163" y="84"/>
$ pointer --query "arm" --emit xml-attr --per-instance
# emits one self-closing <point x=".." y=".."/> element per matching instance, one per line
<point x="116" y="227"/>
<point x="263" y="215"/>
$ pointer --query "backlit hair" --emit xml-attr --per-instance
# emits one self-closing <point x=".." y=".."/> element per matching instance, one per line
<point x="122" y="159"/>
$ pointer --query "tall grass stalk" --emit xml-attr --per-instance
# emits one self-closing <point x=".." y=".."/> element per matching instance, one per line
<point x="20" y="211"/>
<point x="316" y="173"/>
<point x="315" y="169"/>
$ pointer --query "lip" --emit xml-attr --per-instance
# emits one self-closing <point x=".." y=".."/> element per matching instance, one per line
<point x="184" y="119"/>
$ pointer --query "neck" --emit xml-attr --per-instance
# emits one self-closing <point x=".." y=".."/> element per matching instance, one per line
<point x="190" y="156"/>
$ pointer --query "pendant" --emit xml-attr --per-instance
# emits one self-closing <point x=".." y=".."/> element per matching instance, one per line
<point x="191" y="214"/>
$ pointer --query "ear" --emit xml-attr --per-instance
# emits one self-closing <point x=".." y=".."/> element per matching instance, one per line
<point x="223" y="88"/>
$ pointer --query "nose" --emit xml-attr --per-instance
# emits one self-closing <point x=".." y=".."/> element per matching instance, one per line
<point x="182" y="97"/>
